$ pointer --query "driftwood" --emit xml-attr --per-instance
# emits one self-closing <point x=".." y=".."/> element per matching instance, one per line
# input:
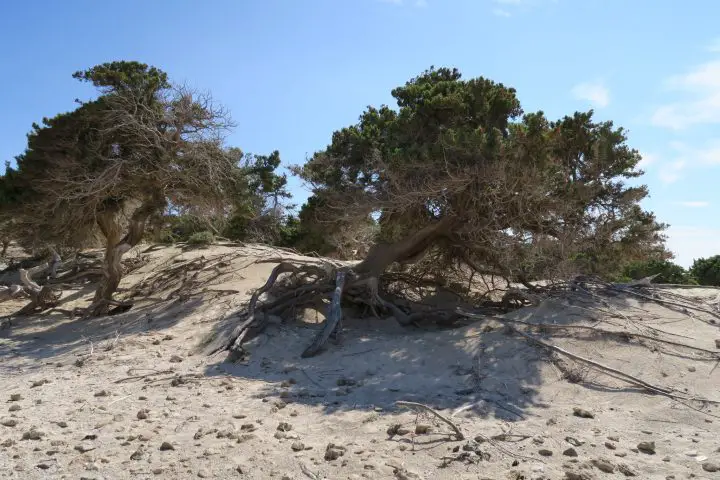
<point x="424" y="408"/>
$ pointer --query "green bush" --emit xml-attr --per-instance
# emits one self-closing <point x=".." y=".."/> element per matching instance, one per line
<point x="707" y="271"/>
<point x="666" y="271"/>
<point x="201" y="238"/>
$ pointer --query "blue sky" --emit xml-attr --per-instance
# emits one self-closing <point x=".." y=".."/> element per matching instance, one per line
<point x="291" y="72"/>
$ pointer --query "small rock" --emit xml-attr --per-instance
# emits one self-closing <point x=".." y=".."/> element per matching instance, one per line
<point x="582" y="413"/>
<point x="333" y="452"/>
<point x="578" y="475"/>
<point x="574" y="441"/>
<point x="176" y="359"/>
<point x="15" y="397"/>
<point x="143" y="414"/>
<point x="102" y="393"/>
<point x="165" y="446"/>
<point x="85" y="447"/>
<point x="8" y="422"/>
<point x="280" y="435"/>
<point x="421" y="429"/>
<point x="297" y="446"/>
<point x="614" y="438"/>
<point x="39" y="383"/>
<point x="284" y="427"/>
<point x="7" y="443"/>
<point x="570" y="452"/>
<point x="717" y="343"/>
<point x="603" y="465"/>
<point x="691" y="368"/>
<point x="157" y="471"/>
<point x="545" y="452"/>
<point x="203" y="474"/>
<point x="711" y="467"/>
<point x="610" y="445"/>
<point x="646" y="447"/>
<point x="248" y="427"/>
<point x="138" y="454"/>
<point x="33" y="434"/>
<point x="621" y="454"/>
<point x="14" y="408"/>
<point x="692" y="453"/>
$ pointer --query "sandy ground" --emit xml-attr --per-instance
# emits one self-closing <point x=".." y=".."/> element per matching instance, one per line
<point x="129" y="396"/>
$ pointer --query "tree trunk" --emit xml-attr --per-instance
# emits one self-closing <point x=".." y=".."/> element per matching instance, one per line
<point x="118" y="246"/>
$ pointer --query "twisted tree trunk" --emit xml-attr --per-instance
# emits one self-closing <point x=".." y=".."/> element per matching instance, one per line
<point x="117" y="246"/>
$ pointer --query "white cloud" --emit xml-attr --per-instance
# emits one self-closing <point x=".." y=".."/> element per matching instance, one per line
<point x="689" y="243"/>
<point x="671" y="172"/>
<point x="421" y="3"/>
<point x="694" y="204"/>
<point x="594" y="92"/>
<point x="501" y="13"/>
<point x="702" y="86"/>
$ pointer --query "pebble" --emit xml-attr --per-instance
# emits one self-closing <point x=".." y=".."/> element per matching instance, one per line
<point x="165" y="446"/>
<point x="603" y="465"/>
<point x="613" y="438"/>
<point x="582" y="413"/>
<point x="143" y="414"/>
<point x="610" y="445"/>
<point x="85" y="447"/>
<point x="570" y="452"/>
<point x="8" y="422"/>
<point x="545" y="452"/>
<point x="421" y="429"/>
<point x="297" y="446"/>
<point x="284" y="427"/>
<point x="711" y="467"/>
<point x="626" y="470"/>
<point x="14" y="408"/>
<point x="646" y="447"/>
<point x="33" y="434"/>
<point x="102" y="393"/>
<point x="15" y="397"/>
<point x="574" y="441"/>
<point x="717" y="343"/>
<point x="333" y="452"/>
<point x="176" y="359"/>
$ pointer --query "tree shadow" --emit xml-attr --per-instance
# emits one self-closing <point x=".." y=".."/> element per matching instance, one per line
<point x="50" y="336"/>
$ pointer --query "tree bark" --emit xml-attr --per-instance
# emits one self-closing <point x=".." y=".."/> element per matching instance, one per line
<point x="118" y="246"/>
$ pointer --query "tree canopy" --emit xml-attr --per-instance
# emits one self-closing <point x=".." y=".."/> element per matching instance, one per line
<point x="509" y="192"/>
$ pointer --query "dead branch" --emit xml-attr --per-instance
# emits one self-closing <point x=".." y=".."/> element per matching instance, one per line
<point x="333" y="321"/>
<point x="424" y="408"/>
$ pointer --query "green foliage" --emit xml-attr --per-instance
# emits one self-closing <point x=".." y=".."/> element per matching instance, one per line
<point x="522" y="193"/>
<point x="707" y="271"/>
<point x="201" y="238"/>
<point x="666" y="271"/>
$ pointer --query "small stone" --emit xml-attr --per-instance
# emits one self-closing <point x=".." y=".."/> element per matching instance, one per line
<point x="711" y="467"/>
<point x="239" y="416"/>
<point x="248" y="427"/>
<point x="297" y="446"/>
<point x="15" y="397"/>
<point x="582" y="413"/>
<point x="717" y="343"/>
<point x="570" y="452"/>
<point x="578" y="475"/>
<point x="7" y="443"/>
<point x="33" y="434"/>
<point x="39" y="383"/>
<point x="8" y="422"/>
<point x="333" y="452"/>
<point x="42" y="466"/>
<point x="692" y="453"/>
<point x="84" y="447"/>
<point x="621" y="454"/>
<point x="646" y="447"/>
<point x="14" y="407"/>
<point x="691" y="368"/>
<point x="574" y="441"/>
<point x="280" y="435"/>
<point x="610" y="445"/>
<point x="666" y="458"/>
<point x="203" y="474"/>
<point x="165" y="446"/>
<point x="138" y="454"/>
<point x="614" y="438"/>
<point x="603" y="465"/>
<point x="176" y="359"/>
<point x="284" y="427"/>
<point x="626" y="470"/>
<point x="157" y="471"/>
<point x="102" y="393"/>
<point x="545" y="452"/>
<point x="143" y="414"/>
<point x="421" y="429"/>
